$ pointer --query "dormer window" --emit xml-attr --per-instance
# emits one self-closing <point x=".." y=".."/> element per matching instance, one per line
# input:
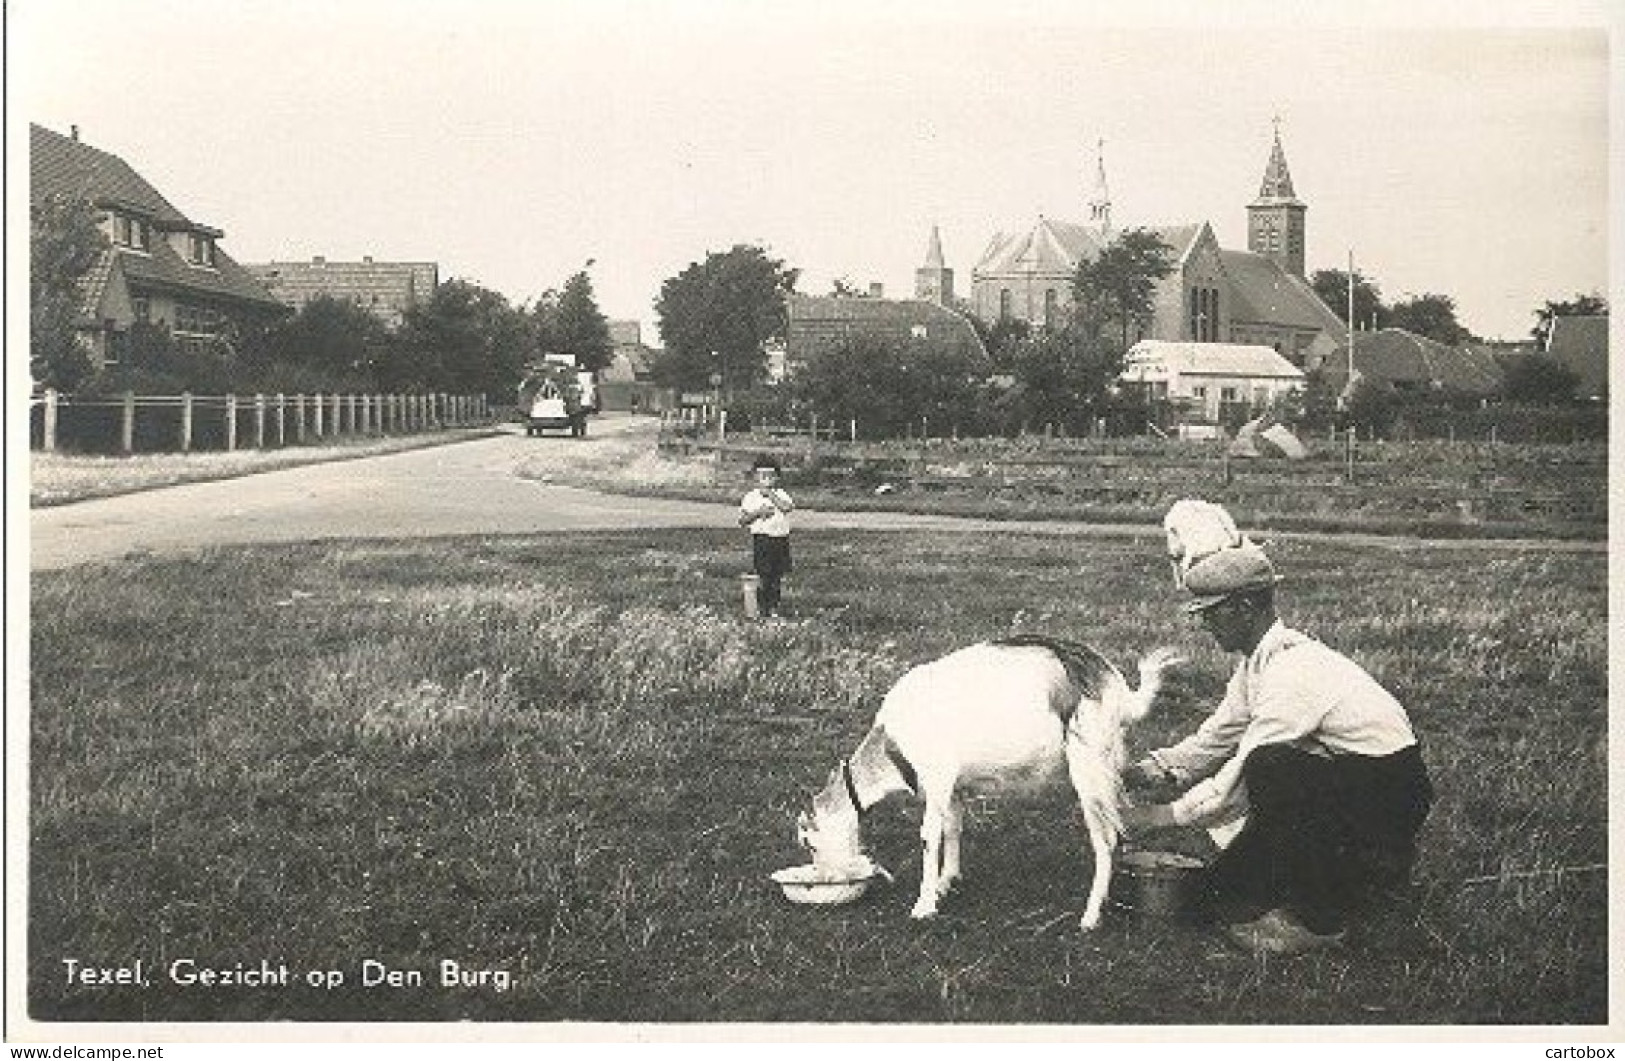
<point x="132" y="232"/>
<point x="200" y="250"/>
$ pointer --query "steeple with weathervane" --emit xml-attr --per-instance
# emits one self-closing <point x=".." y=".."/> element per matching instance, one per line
<point x="1100" y="204"/>
<point x="934" y="281"/>
<point x="1275" y="220"/>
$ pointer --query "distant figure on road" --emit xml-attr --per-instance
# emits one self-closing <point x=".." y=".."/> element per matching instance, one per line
<point x="766" y="511"/>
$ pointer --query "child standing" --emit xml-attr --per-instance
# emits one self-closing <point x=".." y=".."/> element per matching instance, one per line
<point x="766" y="511"/>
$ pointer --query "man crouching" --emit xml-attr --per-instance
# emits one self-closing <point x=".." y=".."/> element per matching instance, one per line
<point x="1307" y="756"/>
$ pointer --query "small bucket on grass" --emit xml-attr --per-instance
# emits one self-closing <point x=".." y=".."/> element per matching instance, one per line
<point x="748" y="585"/>
<point x="1156" y="884"/>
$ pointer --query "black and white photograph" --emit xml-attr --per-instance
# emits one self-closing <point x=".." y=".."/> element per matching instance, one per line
<point x="534" y="523"/>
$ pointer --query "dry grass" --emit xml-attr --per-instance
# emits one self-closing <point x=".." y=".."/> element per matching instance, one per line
<point x="569" y="759"/>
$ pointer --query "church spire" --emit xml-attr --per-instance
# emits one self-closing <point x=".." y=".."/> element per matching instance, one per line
<point x="934" y="281"/>
<point x="1277" y="186"/>
<point x="933" y="251"/>
<point x="1100" y="204"/>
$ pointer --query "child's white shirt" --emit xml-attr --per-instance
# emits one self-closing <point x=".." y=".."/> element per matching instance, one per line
<point x="776" y="525"/>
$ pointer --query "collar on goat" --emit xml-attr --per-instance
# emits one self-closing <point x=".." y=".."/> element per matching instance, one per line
<point x="851" y="786"/>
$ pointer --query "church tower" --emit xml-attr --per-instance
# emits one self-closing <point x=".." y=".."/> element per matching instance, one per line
<point x="1275" y="220"/>
<point x="934" y="281"/>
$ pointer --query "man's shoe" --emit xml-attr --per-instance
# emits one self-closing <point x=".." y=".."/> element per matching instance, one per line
<point x="1279" y="933"/>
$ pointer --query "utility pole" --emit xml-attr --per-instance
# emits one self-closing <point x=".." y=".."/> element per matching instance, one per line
<point x="1348" y="388"/>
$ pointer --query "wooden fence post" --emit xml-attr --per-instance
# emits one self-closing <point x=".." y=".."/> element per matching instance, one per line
<point x="49" y="417"/>
<point x="299" y="418"/>
<point x="127" y="423"/>
<point x="281" y="419"/>
<point x="259" y="421"/>
<point x="231" y="422"/>
<point x="186" y="421"/>
<point x="316" y="413"/>
<point x="351" y="402"/>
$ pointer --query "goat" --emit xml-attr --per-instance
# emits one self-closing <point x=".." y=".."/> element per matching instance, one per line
<point x="1009" y="712"/>
<point x="1196" y="529"/>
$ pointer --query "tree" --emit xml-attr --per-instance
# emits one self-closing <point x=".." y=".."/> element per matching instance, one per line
<point x="1332" y="285"/>
<point x="717" y="315"/>
<point x="65" y="242"/>
<point x="1579" y="306"/>
<point x="1431" y="316"/>
<point x="1062" y="377"/>
<point x="889" y="385"/>
<point x="1535" y="379"/>
<point x="1119" y="285"/>
<point x="578" y="327"/>
<point x="466" y="339"/>
<point x="329" y="344"/>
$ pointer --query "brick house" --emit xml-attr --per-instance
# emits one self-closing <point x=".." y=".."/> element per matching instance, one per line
<point x="385" y="289"/>
<point x="162" y="267"/>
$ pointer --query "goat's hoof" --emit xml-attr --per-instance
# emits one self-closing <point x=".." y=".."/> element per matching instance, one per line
<point x="923" y="911"/>
<point x="1089" y="922"/>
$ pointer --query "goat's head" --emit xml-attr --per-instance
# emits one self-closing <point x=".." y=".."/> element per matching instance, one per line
<point x="830" y="831"/>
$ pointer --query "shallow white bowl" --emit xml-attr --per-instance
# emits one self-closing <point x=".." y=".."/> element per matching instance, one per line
<point x="817" y="886"/>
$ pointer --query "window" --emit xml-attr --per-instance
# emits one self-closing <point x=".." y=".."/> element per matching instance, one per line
<point x="918" y="331"/>
<point x="195" y="320"/>
<point x="1004" y="304"/>
<point x="142" y="308"/>
<point x="1227" y="394"/>
<point x="1051" y="316"/>
<point x="1204" y="314"/>
<point x="200" y="250"/>
<point x="132" y="232"/>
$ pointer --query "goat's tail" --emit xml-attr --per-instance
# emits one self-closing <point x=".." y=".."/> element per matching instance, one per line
<point x="1131" y="705"/>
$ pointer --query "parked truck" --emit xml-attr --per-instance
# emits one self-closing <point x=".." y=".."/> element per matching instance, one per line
<point x="552" y="397"/>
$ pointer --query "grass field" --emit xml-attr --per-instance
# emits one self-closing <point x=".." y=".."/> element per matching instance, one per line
<point x="568" y="760"/>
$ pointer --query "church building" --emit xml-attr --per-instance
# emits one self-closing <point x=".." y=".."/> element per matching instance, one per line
<point x="1257" y="297"/>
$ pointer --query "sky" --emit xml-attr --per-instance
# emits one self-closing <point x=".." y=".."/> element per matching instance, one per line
<point x="1459" y="149"/>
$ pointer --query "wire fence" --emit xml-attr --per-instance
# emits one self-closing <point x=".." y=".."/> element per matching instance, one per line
<point x="149" y="423"/>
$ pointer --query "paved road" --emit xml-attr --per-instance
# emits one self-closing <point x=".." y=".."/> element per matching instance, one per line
<point x="470" y="487"/>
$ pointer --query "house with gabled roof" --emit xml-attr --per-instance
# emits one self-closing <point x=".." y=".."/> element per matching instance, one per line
<point x="161" y="267"/>
<point x="816" y="323"/>
<point x="1580" y="344"/>
<point x="1405" y="363"/>
<point x="1209" y="382"/>
<point x="1254" y="297"/>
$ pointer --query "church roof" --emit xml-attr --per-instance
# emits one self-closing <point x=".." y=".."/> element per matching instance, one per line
<point x="1057" y="248"/>
<point x="1264" y="291"/>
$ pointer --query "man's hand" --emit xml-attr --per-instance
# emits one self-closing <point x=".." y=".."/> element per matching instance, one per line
<point x="1147" y="773"/>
